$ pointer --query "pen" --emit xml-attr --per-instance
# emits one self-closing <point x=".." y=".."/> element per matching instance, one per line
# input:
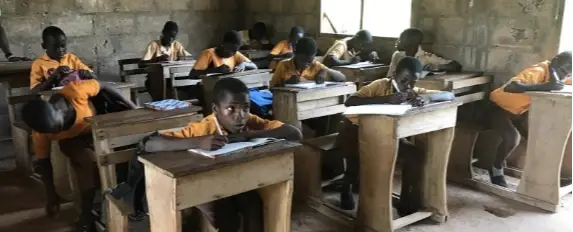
<point x="395" y="85"/>
<point x="218" y="127"/>
<point x="555" y="74"/>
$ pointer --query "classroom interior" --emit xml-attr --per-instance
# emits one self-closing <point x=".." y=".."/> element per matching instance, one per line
<point x="492" y="39"/>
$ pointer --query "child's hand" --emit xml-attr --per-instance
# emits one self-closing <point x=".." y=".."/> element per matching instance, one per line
<point x="213" y="142"/>
<point x="554" y="83"/>
<point x="319" y="79"/>
<point x="294" y="79"/>
<point x="223" y="69"/>
<point x="355" y="60"/>
<point x="398" y="98"/>
<point x="163" y="58"/>
<point x="240" y="68"/>
<point x="86" y="74"/>
<point x="62" y="70"/>
<point x="238" y="137"/>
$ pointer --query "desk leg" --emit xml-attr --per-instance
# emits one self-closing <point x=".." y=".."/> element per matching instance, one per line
<point x="438" y="146"/>
<point x="160" y="190"/>
<point x="545" y="149"/>
<point x="277" y="201"/>
<point x="378" y="151"/>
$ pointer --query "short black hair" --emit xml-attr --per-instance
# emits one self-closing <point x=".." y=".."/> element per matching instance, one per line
<point x="364" y="35"/>
<point x="170" y="26"/>
<point x="306" y="46"/>
<point x="228" y="85"/>
<point x="296" y="30"/>
<point x="566" y="55"/>
<point x="51" y="31"/>
<point x="35" y="115"/>
<point x="411" y="64"/>
<point x="233" y="37"/>
<point x="260" y="26"/>
<point x="413" y="33"/>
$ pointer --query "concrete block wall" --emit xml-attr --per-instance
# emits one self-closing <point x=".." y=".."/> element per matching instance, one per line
<point x="103" y="31"/>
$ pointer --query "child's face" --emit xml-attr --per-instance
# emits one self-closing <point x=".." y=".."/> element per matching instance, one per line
<point x="168" y="37"/>
<point x="405" y="42"/>
<point x="232" y="112"/>
<point x="303" y="61"/>
<point x="562" y="66"/>
<point x="406" y="80"/>
<point x="55" y="46"/>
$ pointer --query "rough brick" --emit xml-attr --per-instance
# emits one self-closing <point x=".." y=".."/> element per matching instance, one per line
<point x="514" y="31"/>
<point x="512" y="8"/>
<point x="83" y="47"/>
<point x="442" y="7"/>
<point x="477" y="33"/>
<point x="134" y="5"/>
<point x="285" y="23"/>
<point x="258" y="5"/>
<point x="304" y="6"/>
<point x="266" y="18"/>
<point x="33" y="48"/>
<point x="311" y="24"/>
<point x="46" y="7"/>
<point x="203" y="5"/>
<point x="151" y="23"/>
<point x="451" y="30"/>
<point x="499" y="59"/>
<point x="8" y="6"/>
<point x="23" y="26"/>
<point x="74" y="25"/>
<point x="114" y="23"/>
<point x="131" y="43"/>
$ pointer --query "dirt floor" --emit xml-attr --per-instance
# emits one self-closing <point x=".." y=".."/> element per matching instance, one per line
<point x="21" y="210"/>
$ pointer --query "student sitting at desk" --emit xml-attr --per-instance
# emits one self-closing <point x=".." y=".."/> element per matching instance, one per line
<point x="284" y="49"/>
<point x="230" y="122"/>
<point x="409" y="45"/>
<point x="166" y="48"/>
<point x="62" y="119"/>
<point x="256" y="38"/>
<point x="512" y="105"/>
<point x="397" y="90"/>
<point x="351" y="50"/>
<point x="47" y="71"/>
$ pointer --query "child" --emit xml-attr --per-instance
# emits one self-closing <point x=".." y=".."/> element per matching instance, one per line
<point x="166" y="48"/>
<point x="256" y="38"/>
<point x="409" y="45"/>
<point x="47" y="71"/>
<point x="351" y="50"/>
<point x="511" y="105"/>
<point x="230" y="115"/>
<point x="62" y="119"/>
<point x="284" y="49"/>
<point x="397" y="90"/>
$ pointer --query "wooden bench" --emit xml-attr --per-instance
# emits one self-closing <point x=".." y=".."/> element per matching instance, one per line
<point x="307" y="168"/>
<point x="116" y="130"/>
<point x="181" y="71"/>
<point x="133" y="75"/>
<point x="467" y="86"/>
<point x="159" y="75"/>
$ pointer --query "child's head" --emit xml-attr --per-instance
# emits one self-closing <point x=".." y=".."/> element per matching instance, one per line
<point x="232" y="41"/>
<point x="259" y="31"/>
<point x="43" y="116"/>
<point x="169" y="33"/>
<point x="296" y="33"/>
<point x="231" y="104"/>
<point x="409" y="39"/>
<point x="362" y="39"/>
<point x="54" y="41"/>
<point x="305" y="52"/>
<point x="562" y="64"/>
<point x="408" y="71"/>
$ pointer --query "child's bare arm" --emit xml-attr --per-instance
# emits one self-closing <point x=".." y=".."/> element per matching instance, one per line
<point x="164" y="143"/>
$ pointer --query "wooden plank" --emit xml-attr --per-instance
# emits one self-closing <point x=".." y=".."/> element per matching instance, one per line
<point x="285" y="108"/>
<point x="422" y="123"/>
<point x="324" y="143"/>
<point x="277" y="205"/>
<point x="461" y="157"/>
<point x="115" y="157"/>
<point x="319" y="103"/>
<point x="462" y="90"/>
<point x="227" y="181"/>
<point x="326" y="92"/>
<point x="512" y="195"/>
<point x="160" y="190"/>
<point x="471" y="82"/>
<point x="307" y="176"/>
<point x="126" y="140"/>
<point x="138" y="116"/>
<point x="330" y="110"/>
<point x="121" y="207"/>
<point x="150" y="126"/>
<point x="472" y="97"/>
<point x="410" y="219"/>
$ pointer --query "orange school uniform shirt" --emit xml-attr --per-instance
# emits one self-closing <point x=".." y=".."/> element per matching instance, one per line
<point x="44" y="66"/>
<point x="283" y="47"/>
<point x="77" y="93"/>
<point x="174" y="51"/>
<point x="285" y="69"/>
<point x="208" y="126"/>
<point x="209" y="58"/>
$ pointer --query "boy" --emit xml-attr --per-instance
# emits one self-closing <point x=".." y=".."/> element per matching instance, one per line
<point x="397" y="90"/>
<point x="409" y="45"/>
<point x="284" y="49"/>
<point x="166" y="48"/>
<point x="230" y="122"/>
<point x="48" y="70"/>
<point x="351" y="50"/>
<point x="511" y="105"/>
<point x="62" y="119"/>
<point x="256" y="38"/>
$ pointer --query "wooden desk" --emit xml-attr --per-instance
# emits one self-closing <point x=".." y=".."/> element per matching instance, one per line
<point x="255" y="54"/>
<point x="468" y="86"/>
<point x="291" y="105"/>
<point x="157" y="75"/>
<point x="115" y="130"/>
<point x="379" y="136"/>
<point x="123" y="88"/>
<point x="179" y="180"/>
<point x="14" y="75"/>
<point x="253" y="79"/>
<point x="364" y="73"/>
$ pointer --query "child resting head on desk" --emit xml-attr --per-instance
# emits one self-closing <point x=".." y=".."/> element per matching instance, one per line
<point x="303" y="67"/>
<point x="230" y="122"/>
<point x="48" y="70"/>
<point x="62" y="119"/>
<point x="408" y="44"/>
<point x="397" y="90"/>
<point x="512" y="105"/>
<point x="224" y="58"/>
<point x="284" y="49"/>
<point x="351" y="50"/>
<point x="166" y="48"/>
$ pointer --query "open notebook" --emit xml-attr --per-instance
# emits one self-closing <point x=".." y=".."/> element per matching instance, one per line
<point x="385" y="109"/>
<point x="233" y="147"/>
<point x="312" y="85"/>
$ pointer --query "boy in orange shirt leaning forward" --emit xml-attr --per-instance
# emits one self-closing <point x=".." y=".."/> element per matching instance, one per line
<point x="512" y="105"/>
<point x="284" y="49"/>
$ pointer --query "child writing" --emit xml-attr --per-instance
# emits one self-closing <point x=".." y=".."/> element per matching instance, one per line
<point x="229" y="122"/>
<point x="512" y="105"/>
<point x="408" y="44"/>
<point x="351" y="50"/>
<point x="397" y="90"/>
<point x="62" y="119"/>
<point x="284" y="49"/>
<point x="166" y="48"/>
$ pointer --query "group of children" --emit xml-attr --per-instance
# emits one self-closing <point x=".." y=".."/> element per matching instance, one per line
<point x="61" y="118"/>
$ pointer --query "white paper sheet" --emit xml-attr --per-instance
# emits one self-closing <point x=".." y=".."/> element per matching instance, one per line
<point x="312" y="85"/>
<point x="385" y="109"/>
<point x="566" y="89"/>
<point x="232" y="147"/>
<point x="361" y="65"/>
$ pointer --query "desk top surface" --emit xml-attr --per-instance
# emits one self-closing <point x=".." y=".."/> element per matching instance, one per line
<point x="184" y="163"/>
<point x="140" y="115"/>
<point x="300" y="90"/>
<point x="237" y="74"/>
<point x="560" y="95"/>
<point x="423" y="109"/>
<point x="453" y="76"/>
<point x="117" y="85"/>
<point x="172" y="63"/>
<point x="15" y="67"/>
<point x="362" y="65"/>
